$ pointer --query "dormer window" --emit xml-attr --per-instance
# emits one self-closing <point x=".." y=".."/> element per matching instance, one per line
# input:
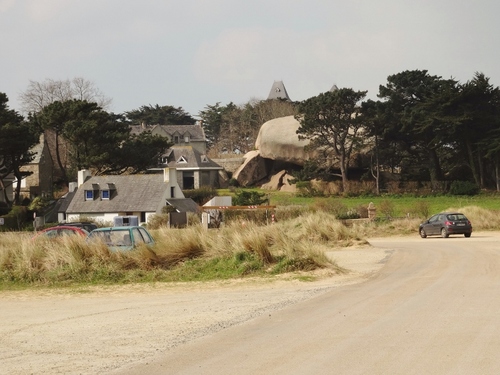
<point x="105" y="194"/>
<point x="89" y="195"/>
<point x="204" y="159"/>
<point x="182" y="159"/>
<point x="176" y="139"/>
<point x="186" y="138"/>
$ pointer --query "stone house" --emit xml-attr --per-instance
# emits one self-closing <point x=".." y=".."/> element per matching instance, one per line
<point x="187" y="156"/>
<point x="179" y="135"/>
<point x="39" y="172"/>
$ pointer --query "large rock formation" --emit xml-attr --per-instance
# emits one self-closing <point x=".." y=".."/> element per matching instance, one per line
<point x="277" y="147"/>
<point x="278" y="140"/>
<point x="252" y="170"/>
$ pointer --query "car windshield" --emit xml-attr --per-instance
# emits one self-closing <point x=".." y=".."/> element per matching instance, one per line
<point x="119" y="237"/>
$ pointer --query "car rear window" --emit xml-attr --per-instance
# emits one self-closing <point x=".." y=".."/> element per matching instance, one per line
<point x="456" y="217"/>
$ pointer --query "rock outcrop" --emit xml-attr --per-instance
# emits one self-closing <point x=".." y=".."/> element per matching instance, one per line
<point x="278" y="150"/>
<point x="253" y="169"/>
<point x="278" y="140"/>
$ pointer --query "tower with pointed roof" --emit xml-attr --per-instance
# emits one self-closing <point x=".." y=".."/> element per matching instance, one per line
<point x="278" y="91"/>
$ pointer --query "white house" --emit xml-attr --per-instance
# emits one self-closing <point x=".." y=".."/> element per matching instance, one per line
<point x="102" y="198"/>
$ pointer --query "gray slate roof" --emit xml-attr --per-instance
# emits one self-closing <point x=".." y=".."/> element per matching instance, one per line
<point x="184" y="204"/>
<point x="186" y="157"/>
<point x="278" y="91"/>
<point x="195" y="132"/>
<point x="142" y="193"/>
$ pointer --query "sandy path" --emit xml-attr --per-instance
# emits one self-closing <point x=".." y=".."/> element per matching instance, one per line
<point x="99" y="330"/>
<point x="432" y="309"/>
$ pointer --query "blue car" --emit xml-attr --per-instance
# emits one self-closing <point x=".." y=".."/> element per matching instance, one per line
<point x="122" y="238"/>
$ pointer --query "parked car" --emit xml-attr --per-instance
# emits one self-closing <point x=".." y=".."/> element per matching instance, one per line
<point x="61" y="230"/>
<point x="446" y="223"/>
<point x="122" y="238"/>
<point x="87" y="225"/>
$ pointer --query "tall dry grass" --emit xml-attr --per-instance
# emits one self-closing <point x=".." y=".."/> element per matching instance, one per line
<point x="289" y="245"/>
<point x="234" y="250"/>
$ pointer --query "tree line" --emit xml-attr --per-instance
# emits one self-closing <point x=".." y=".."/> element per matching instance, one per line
<point x="422" y="128"/>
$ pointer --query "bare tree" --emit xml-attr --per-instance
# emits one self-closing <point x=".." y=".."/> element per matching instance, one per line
<point x="40" y="94"/>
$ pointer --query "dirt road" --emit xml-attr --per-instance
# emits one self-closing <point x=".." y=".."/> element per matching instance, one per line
<point x="430" y="309"/>
<point x="433" y="309"/>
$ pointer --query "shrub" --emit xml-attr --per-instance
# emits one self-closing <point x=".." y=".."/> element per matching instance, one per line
<point x="17" y="219"/>
<point x="350" y="214"/>
<point x="332" y="206"/>
<point x="201" y="195"/>
<point x="386" y="207"/>
<point x="4" y="208"/>
<point x="463" y="188"/>
<point x="420" y="209"/>
<point x="249" y="198"/>
<point x="307" y="189"/>
<point x="158" y="220"/>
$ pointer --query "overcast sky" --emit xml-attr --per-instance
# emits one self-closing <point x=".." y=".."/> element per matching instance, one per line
<point x="194" y="53"/>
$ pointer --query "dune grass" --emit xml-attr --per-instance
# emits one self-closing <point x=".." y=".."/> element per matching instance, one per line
<point x="297" y="242"/>
<point x="178" y="255"/>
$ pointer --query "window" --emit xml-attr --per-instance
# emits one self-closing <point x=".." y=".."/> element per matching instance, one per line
<point x="176" y="139"/>
<point x="137" y="236"/>
<point x="89" y="195"/>
<point x="105" y="194"/>
<point x="145" y="235"/>
<point x="182" y="159"/>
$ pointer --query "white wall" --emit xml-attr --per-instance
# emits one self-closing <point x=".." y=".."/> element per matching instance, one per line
<point x="107" y="218"/>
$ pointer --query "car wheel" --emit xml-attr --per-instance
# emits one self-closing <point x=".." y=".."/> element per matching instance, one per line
<point x="444" y="233"/>
<point x="422" y="233"/>
<point x="467" y="234"/>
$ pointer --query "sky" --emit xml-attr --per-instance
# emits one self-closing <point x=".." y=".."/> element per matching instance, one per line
<point x="194" y="53"/>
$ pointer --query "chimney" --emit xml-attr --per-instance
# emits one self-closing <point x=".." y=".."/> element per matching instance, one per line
<point x="170" y="175"/>
<point x="83" y="176"/>
<point x="72" y="187"/>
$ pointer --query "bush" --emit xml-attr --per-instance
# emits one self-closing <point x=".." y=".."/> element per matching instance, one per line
<point x="332" y="206"/>
<point x="386" y="207"/>
<point x="249" y="198"/>
<point x="306" y="189"/>
<point x="17" y="219"/>
<point x="4" y="208"/>
<point x="201" y="195"/>
<point x="420" y="209"/>
<point x="463" y="188"/>
<point x="350" y="214"/>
